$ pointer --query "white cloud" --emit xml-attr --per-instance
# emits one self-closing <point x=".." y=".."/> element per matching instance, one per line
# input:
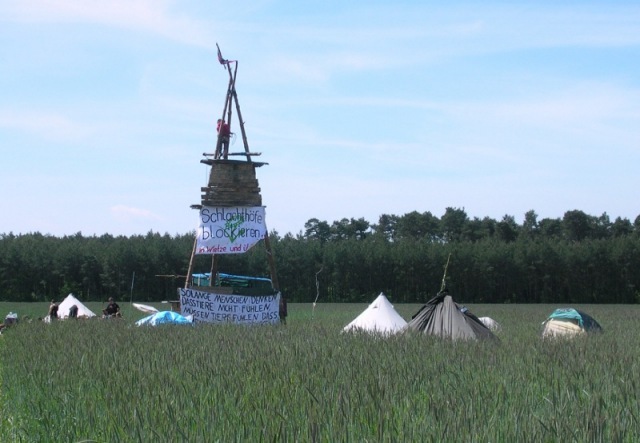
<point x="153" y="16"/>
<point x="585" y="107"/>
<point x="47" y="125"/>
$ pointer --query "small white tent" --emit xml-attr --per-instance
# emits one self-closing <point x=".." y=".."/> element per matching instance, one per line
<point x="63" y="308"/>
<point x="490" y="323"/>
<point x="379" y="317"/>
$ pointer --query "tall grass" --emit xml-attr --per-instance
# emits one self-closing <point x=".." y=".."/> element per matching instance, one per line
<point x="111" y="381"/>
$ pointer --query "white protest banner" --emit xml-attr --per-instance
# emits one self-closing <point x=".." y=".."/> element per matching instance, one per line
<point x="210" y="307"/>
<point x="230" y="230"/>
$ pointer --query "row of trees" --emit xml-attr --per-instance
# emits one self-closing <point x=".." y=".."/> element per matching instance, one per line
<point x="575" y="259"/>
<point x="456" y="226"/>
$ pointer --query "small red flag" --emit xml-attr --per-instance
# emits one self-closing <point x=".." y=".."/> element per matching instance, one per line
<point x="220" y="59"/>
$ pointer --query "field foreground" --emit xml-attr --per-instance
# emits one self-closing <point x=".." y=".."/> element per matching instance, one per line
<point x="108" y="380"/>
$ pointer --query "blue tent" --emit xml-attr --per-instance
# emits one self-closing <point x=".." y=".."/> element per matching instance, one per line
<point x="569" y="322"/>
<point x="164" y="317"/>
<point x="585" y="321"/>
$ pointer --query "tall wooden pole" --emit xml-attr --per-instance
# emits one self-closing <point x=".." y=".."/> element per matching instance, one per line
<point x="272" y="264"/>
<point x="234" y="97"/>
<point x="227" y="106"/>
<point x="214" y="269"/>
<point x="193" y="254"/>
<point x="244" y="134"/>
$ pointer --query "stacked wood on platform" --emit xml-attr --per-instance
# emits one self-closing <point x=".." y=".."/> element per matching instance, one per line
<point x="232" y="183"/>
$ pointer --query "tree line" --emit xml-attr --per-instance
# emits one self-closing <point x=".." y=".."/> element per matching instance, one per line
<point x="578" y="258"/>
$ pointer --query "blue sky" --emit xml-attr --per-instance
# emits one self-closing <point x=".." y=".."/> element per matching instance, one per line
<point x="359" y="109"/>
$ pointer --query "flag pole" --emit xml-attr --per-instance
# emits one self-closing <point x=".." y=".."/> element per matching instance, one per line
<point x="133" y="278"/>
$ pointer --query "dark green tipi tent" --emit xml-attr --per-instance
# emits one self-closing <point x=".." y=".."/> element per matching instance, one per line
<point x="443" y="317"/>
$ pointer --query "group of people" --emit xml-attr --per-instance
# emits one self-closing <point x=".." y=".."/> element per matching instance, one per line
<point x="112" y="310"/>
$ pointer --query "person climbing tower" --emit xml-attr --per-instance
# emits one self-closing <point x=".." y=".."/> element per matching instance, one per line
<point x="224" y="133"/>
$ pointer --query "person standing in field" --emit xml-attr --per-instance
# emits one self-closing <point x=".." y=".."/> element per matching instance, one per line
<point x="53" y="310"/>
<point x="112" y="309"/>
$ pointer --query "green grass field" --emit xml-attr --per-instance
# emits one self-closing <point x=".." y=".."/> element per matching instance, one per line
<point x="108" y="380"/>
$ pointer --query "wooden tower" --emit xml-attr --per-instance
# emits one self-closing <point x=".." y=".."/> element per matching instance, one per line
<point x="232" y="180"/>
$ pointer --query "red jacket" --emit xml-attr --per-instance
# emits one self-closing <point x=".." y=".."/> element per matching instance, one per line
<point x="223" y="128"/>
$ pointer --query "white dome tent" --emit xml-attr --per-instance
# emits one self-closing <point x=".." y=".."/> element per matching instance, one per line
<point x="490" y="323"/>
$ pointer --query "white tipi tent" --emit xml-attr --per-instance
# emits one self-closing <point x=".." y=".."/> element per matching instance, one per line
<point x="70" y="300"/>
<point x="379" y="317"/>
